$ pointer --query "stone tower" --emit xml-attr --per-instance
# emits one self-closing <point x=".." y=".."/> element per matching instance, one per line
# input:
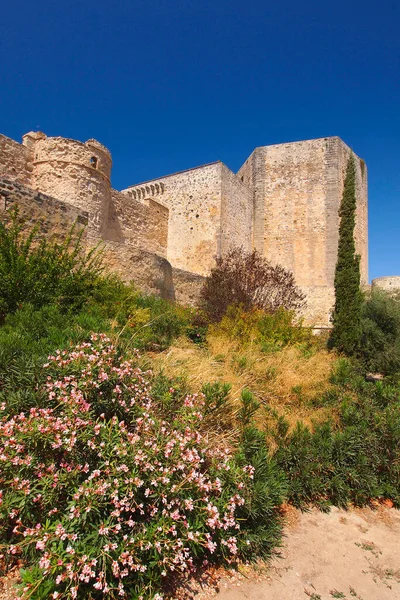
<point x="297" y="191"/>
<point x="76" y="173"/>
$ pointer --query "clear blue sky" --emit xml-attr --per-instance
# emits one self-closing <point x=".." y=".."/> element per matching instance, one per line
<point x="170" y="84"/>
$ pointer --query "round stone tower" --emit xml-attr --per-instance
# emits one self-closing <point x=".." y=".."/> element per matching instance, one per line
<point x="76" y="173"/>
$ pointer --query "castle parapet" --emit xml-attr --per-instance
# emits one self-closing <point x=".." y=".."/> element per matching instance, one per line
<point x="146" y="190"/>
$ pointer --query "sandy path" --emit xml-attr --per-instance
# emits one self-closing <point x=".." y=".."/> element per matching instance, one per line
<point x="352" y="555"/>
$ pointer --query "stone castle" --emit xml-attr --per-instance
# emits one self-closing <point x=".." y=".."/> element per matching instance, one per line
<point x="165" y="233"/>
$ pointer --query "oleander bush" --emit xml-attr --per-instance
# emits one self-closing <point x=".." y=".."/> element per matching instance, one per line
<point x="101" y="495"/>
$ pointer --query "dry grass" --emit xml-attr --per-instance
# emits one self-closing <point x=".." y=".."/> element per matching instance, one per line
<point x="286" y="380"/>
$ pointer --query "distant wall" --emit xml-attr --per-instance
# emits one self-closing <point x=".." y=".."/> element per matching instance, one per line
<point x="388" y="284"/>
<point x="236" y="213"/>
<point x="137" y="224"/>
<point x="15" y="161"/>
<point x="194" y="201"/>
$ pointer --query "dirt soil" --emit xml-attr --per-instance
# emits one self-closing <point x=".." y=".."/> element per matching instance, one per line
<point x="351" y="554"/>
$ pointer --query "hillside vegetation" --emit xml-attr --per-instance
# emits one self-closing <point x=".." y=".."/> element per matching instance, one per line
<point x="140" y="442"/>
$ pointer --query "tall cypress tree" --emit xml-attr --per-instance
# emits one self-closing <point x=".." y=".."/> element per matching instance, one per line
<point x="346" y="331"/>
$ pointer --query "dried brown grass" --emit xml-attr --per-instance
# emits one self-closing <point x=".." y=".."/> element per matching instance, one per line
<point x="287" y="380"/>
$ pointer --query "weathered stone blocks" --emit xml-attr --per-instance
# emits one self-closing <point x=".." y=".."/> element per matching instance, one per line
<point x="166" y="233"/>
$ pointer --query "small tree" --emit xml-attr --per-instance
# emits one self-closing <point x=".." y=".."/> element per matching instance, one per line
<point x="41" y="271"/>
<point x="248" y="279"/>
<point x="348" y="296"/>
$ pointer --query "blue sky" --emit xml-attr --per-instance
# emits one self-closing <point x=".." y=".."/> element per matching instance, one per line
<point x="170" y="84"/>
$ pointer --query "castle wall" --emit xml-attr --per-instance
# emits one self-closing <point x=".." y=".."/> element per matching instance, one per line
<point x="150" y="273"/>
<point x="52" y="217"/>
<point x="137" y="224"/>
<point x="210" y="211"/>
<point x="15" y="161"/>
<point x="284" y="202"/>
<point x="390" y="284"/>
<point x="252" y="174"/>
<point x="194" y="201"/>
<point x="294" y="205"/>
<point x="236" y="213"/>
<point x="187" y="286"/>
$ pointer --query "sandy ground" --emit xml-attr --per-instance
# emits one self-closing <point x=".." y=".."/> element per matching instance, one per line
<point x="351" y="554"/>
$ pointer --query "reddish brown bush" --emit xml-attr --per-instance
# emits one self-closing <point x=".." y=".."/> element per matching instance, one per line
<point x="250" y="280"/>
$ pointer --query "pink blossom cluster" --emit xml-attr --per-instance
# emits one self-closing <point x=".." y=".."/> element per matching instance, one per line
<point x="110" y="496"/>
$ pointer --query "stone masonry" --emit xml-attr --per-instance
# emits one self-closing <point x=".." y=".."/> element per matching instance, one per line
<point x="165" y="234"/>
<point x="297" y="193"/>
<point x="390" y="284"/>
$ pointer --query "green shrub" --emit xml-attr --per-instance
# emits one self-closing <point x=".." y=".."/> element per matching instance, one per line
<point x="352" y="458"/>
<point x="154" y="323"/>
<point x="41" y="271"/>
<point x="260" y="512"/>
<point x="271" y="331"/>
<point x="30" y="334"/>
<point x="380" y="333"/>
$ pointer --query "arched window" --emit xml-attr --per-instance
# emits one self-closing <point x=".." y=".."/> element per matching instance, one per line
<point x="93" y="162"/>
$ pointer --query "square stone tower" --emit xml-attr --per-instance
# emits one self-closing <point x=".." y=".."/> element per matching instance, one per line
<point x="297" y="191"/>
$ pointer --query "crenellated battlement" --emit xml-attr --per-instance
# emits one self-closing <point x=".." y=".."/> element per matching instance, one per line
<point x="140" y="192"/>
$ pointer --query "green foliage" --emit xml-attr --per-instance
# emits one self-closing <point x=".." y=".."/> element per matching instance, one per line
<point x="29" y="335"/>
<point x="348" y="297"/>
<point x="41" y="271"/>
<point x="150" y="322"/>
<point x="215" y="398"/>
<point x="343" y="373"/>
<point x="271" y="331"/>
<point x="352" y="458"/>
<point x="380" y="333"/>
<point x="260" y="511"/>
